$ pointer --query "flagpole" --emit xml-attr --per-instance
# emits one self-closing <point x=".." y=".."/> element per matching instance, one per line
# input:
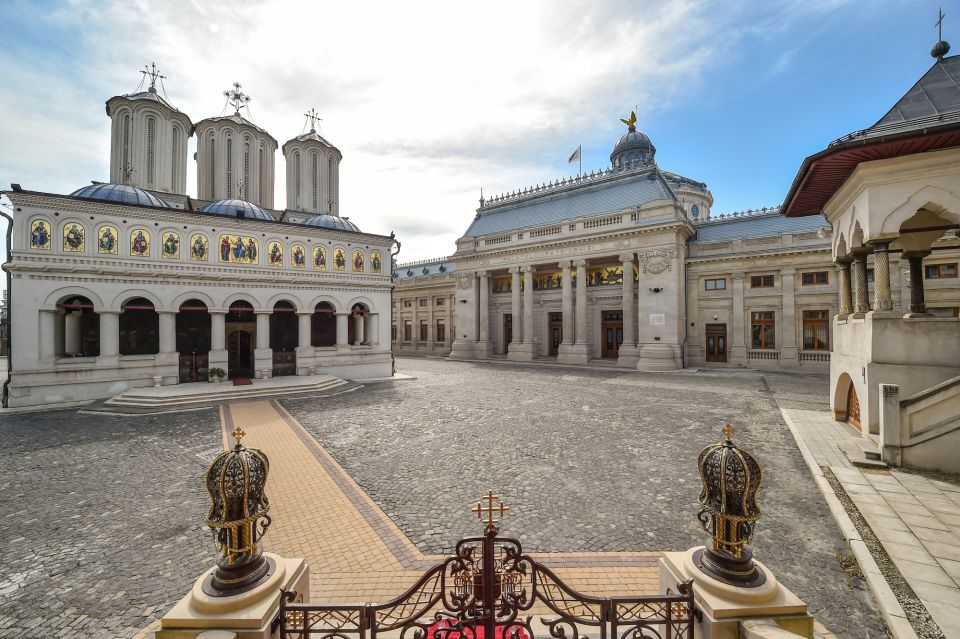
<point x="580" y="154"/>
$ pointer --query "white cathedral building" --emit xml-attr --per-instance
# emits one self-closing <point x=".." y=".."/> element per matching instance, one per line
<point x="135" y="283"/>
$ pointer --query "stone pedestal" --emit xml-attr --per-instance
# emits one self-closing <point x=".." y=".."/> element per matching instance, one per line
<point x="659" y="357"/>
<point x="249" y="615"/>
<point x="572" y="354"/>
<point x="724" y="607"/>
<point x="520" y="352"/>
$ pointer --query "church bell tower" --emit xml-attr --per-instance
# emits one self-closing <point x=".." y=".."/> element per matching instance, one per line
<point x="313" y="172"/>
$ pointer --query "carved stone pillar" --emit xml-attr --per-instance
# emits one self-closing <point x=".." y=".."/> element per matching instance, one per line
<point x="528" y="305"/>
<point x="483" y="345"/>
<point x="918" y="305"/>
<point x="862" y="299"/>
<point x="581" y="321"/>
<point x="567" y="295"/>
<point x="846" y="297"/>
<point x="343" y="331"/>
<point x="629" y="305"/>
<point x="358" y="326"/>
<point x="515" y="311"/>
<point x="882" y="298"/>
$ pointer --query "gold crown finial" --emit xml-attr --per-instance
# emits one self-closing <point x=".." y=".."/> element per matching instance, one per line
<point x="489" y="510"/>
<point x="238" y="434"/>
<point x="728" y="431"/>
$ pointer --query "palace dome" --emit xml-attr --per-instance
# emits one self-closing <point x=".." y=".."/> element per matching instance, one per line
<point x="633" y="146"/>
<point x="123" y="193"/>
<point x="325" y="221"/>
<point x="237" y="208"/>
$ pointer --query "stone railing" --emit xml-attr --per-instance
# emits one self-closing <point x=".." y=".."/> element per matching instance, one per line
<point x="774" y="355"/>
<point x="552" y="230"/>
<point x="603" y="221"/>
<point x="814" y="356"/>
<point x="497" y="240"/>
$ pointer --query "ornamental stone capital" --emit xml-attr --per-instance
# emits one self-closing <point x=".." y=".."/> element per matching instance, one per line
<point x="627" y="257"/>
<point x="526" y="269"/>
<point x="579" y="263"/>
<point x="657" y="261"/>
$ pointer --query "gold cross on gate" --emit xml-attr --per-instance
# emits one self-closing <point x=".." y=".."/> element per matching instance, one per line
<point x="728" y="432"/>
<point x="238" y="434"/>
<point x="489" y="510"/>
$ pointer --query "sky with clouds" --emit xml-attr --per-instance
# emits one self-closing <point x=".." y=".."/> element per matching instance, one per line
<point x="431" y="101"/>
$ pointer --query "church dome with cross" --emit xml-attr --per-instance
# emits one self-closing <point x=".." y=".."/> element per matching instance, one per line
<point x="235" y="157"/>
<point x="313" y="172"/>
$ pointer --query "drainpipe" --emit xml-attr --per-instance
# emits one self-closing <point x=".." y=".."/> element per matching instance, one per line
<point x="6" y="384"/>
<point x="393" y="274"/>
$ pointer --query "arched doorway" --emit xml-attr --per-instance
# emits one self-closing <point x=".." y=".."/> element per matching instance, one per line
<point x="323" y="325"/>
<point x="193" y="341"/>
<point x="241" y="330"/>
<point x="356" y="326"/>
<point x="853" y="407"/>
<point x="139" y="327"/>
<point x="77" y="332"/>
<point x="284" y="336"/>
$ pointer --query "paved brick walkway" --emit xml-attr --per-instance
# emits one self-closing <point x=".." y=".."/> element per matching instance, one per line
<point x="356" y="553"/>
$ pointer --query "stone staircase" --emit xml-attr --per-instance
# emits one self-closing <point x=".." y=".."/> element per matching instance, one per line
<point x="182" y="397"/>
<point x="862" y="452"/>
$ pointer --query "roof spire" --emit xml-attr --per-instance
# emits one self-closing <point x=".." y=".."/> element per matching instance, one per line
<point x="942" y="47"/>
<point x="312" y="116"/>
<point x="236" y="98"/>
<point x="152" y="73"/>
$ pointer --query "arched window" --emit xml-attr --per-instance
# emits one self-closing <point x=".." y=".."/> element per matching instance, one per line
<point x="356" y="326"/>
<point x="695" y="211"/>
<point x="315" y="176"/>
<point x="245" y="193"/>
<point x="174" y="156"/>
<point x="283" y="327"/>
<point x="323" y="325"/>
<point x="261" y="170"/>
<point x="330" y="184"/>
<point x="296" y="171"/>
<point x="139" y="328"/>
<point x="125" y="154"/>
<point x="213" y="168"/>
<point x="78" y="330"/>
<point x="229" y="167"/>
<point x="193" y="340"/>
<point x="151" y="149"/>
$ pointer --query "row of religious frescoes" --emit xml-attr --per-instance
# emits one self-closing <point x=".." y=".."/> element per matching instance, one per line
<point x="553" y="280"/>
<point x="233" y="249"/>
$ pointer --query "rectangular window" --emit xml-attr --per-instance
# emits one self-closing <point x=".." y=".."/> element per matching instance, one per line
<point x="814" y="278"/>
<point x="717" y="284"/>
<point x="763" y="328"/>
<point x="438" y="301"/>
<point x="407" y="303"/>
<point x="393" y="332"/>
<point x="761" y="281"/>
<point x="424" y="302"/>
<point x="441" y="331"/>
<point x="816" y="330"/>
<point x="424" y="329"/>
<point x="941" y="271"/>
<point x="944" y="311"/>
<point x="407" y="331"/>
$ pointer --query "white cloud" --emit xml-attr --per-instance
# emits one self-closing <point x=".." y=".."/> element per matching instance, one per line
<point x="428" y="102"/>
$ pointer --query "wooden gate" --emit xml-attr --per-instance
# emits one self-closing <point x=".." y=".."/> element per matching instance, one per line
<point x="853" y="407"/>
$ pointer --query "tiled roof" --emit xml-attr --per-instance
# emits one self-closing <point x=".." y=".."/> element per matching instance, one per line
<point x="936" y="93"/>
<point x="747" y="226"/>
<point x="589" y="201"/>
<point x="426" y="268"/>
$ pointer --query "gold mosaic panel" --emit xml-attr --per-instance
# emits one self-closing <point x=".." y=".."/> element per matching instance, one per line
<point x="108" y="240"/>
<point x="170" y="245"/>
<point x="74" y="237"/>
<point x="358" y="260"/>
<point x="40" y="235"/>
<point x="199" y="247"/>
<point x="339" y="259"/>
<point x="275" y="254"/>
<point x="140" y="243"/>
<point x="319" y="258"/>
<point x="376" y="262"/>
<point x="298" y="256"/>
<point x="237" y="249"/>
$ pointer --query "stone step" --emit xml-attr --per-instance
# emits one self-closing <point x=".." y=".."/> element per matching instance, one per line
<point x="132" y="398"/>
<point x="857" y="455"/>
<point x="869" y="448"/>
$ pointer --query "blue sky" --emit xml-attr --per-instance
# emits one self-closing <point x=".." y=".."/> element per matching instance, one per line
<point x="429" y="102"/>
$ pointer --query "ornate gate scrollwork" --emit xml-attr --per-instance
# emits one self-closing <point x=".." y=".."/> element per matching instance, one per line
<point x="486" y="590"/>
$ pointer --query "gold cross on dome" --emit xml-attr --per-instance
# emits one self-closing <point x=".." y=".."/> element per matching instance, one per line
<point x="152" y="73"/>
<point x="237" y="98"/>
<point x="728" y="431"/>
<point x="312" y="116"/>
<point x="489" y="510"/>
<point x="238" y="434"/>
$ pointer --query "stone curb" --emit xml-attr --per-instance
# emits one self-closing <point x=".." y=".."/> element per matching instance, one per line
<point x="890" y="609"/>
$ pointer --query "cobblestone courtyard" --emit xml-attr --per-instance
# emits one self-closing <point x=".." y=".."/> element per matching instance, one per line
<point x="105" y="514"/>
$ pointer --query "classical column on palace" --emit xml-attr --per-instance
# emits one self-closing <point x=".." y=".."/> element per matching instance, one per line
<point x="581" y="319"/>
<point x="738" y="332"/>
<point x="789" y="357"/>
<point x="515" y="312"/>
<point x="630" y="310"/>
<point x="528" y="306"/>
<point x="484" y="348"/>
<point x="574" y="349"/>
<point x="882" y="296"/>
<point x="566" y="292"/>
<point x="862" y="295"/>
<point x="918" y="305"/>
<point x="263" y="355"/>
<point x="109" y="333"/>
<point x="846" y="295"/>
<point x="304" y="349"/>
<point x="343" y="331"/>
<point x="217" y="357"/>
<point x="522" y="347"/>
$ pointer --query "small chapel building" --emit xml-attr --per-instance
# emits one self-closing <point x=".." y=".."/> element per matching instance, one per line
<point x="133" y="282"/>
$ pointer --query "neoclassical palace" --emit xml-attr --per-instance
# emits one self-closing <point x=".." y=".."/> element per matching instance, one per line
<point x="134" y="283"/>
<point x="628" y="266"/>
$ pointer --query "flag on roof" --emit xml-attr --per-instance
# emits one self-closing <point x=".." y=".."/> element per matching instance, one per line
<point x="575" y="156"/>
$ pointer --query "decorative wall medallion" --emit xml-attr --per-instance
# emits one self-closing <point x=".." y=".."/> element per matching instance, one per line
<point x="73" y="238"/>
<point x="465" y="282"/>
<point x="40" y="235"/>
<point x="658" y="260"/>
<point x="107" y="240"/>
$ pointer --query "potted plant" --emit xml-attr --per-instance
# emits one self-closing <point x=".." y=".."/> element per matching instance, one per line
<point x="217" y="375"/>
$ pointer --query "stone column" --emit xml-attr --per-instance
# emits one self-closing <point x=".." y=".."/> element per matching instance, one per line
<point x="788" y="320"/>
<point x="71" y="333"/>
<point x="109" y="333"/>
<point x="47" y="335"/>
<point x="581" y="321"/>
<point x="263" y="355"/>
<point x="515" y="313"/>
<point x="217" y="357"/>
<point x="862" y="301"/>
<point x="846" y="297"/>
<point x="918" y="306"/>
<point x="630" y="310"/>
<point x="358" y="329"/>
<point x="304" y="349"/>
<point x="168" y="331"/>
<point x="528" y="305"/>
<point x="883" y="299"/>
<point x="372" y="330"/>
<point x="484" y="348"/>
<point x="343" y="331"/>
<point x="890" y="435"/>
<point x="567" y="293"/>
<point x="738" y="332"/>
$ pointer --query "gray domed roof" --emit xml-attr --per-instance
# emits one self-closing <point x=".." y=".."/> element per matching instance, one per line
<point x="633" y="146"/>
<point x="325" y="221"/>
<point x="119" y="193"/>
<point x="230" y="208"/>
